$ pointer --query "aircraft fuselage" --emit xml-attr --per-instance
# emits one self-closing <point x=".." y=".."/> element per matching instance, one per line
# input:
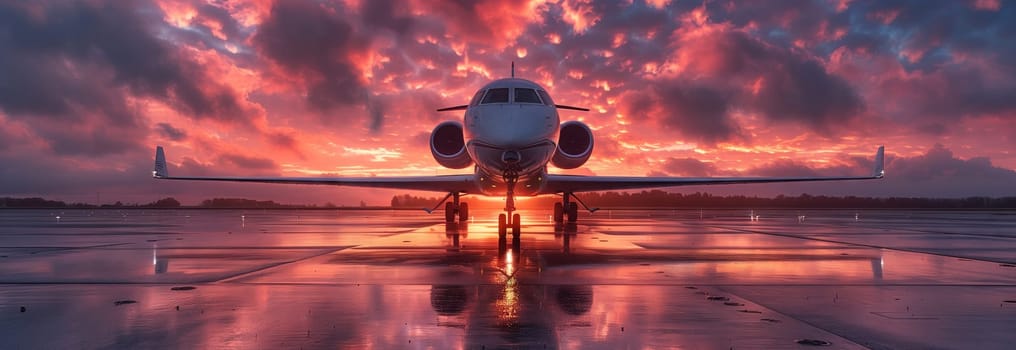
<point x="511" y="135"/>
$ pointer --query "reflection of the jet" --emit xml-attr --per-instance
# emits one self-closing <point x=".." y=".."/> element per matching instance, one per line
<point x="566" y="231"/>
<point x="507" y="306"/>
<point x="502" y="310"/>
<point x="161" y="265"/>
<point x="455" y="231"/>
<point x="876" y="268"/>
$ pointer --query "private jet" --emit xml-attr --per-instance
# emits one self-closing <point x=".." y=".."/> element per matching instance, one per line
<point x="510" y="132"/>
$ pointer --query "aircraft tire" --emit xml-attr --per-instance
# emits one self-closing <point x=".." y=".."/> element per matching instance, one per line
<point x="573" y="212"/>
<point x="558" y="212"/>
<point x="449" y="212"/>
<point x="516" y="233"/>
<point x="463" y="212"/>
<point x="502" y="224"/>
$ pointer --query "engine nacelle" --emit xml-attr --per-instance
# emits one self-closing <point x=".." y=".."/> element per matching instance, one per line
<point x="574" y="146"/>
<point x="449" y="146"/>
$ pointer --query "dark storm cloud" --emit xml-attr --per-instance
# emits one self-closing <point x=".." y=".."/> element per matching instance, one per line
<point x="688" y="167"/>
<point x="784" y="22"/>
<point x="936" y="173"/>
<point x="724" y="70"/>
<point x="796" y="86"/>
<point x="805" y="92"/>
<point x="792" y="87"/>
<point x="966" y="92"/>
<point x="957" y="57"/>
<point x="696" y="112"/>
<point x="284" y="140"/>
<point x="633" y="24"/>
<point x="388" y="14"/>
<point x="169" y="132"/>
<point x="483" y="22"/>
<point x="213" y="27"/>
<point x="36" y="175"/>
<point x="228" y="25"/>
<point x="78" y="63"/>
<point x="248" y="162"/>
<point x="314" y="42"/>
<point x="940" y="163"/>
<point x="786" y="167"/>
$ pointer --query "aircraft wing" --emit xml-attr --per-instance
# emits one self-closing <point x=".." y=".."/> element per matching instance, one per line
<point x="438" y="183"/>
<point x="578" y="183"/>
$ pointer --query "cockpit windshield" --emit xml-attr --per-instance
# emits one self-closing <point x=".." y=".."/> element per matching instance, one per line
<point x="498" y="95"/>
<point x="476" y="98"/>
<point x="526" y="96"/>
<point x="546" y="98"/>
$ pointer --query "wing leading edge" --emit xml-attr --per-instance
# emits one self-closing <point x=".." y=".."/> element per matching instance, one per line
<point x="439" y="183"/>
<point x="578" y="183"/>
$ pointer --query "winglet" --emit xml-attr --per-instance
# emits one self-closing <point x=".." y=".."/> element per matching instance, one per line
<point x="879" y="171"/>
<point x="160" y="164"/>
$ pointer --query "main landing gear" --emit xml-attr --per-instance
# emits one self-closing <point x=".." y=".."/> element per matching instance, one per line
<point x="453" y="209"/>
<point x="566" y="208"/>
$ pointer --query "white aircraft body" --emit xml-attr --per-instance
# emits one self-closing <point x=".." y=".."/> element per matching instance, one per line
<point x="510" y="132"/>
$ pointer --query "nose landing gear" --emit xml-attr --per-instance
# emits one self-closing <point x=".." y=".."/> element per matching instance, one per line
<point x="503" y="225"/>
<point x="511" y="177"/>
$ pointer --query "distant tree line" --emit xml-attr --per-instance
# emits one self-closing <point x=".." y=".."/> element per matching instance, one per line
<point x="36" y="202"/>
<point x="663" y="199"/>
<point x="168" y="202"/>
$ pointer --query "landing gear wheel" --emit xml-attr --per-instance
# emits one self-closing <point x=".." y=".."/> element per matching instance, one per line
<point x="463" y="212"/>
<point x="558" y="212"/>
<point x="516" y="233"/>
<point x="449" y="212"/>
<point x="502" y="237"/>
<point x="573" y="212"/>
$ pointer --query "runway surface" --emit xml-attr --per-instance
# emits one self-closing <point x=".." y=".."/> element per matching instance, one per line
<point x="402" y="279"/>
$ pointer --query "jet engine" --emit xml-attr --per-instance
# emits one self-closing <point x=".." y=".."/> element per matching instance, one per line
<point x="574" y="146"/>
<point x="448" y="145"/>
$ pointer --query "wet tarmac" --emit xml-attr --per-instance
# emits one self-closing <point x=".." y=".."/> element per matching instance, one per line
<point x="402" y="279"/>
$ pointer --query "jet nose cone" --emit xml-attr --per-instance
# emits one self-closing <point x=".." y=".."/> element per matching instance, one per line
<point x="512" y="126"/>
<point x="511" y="157"/>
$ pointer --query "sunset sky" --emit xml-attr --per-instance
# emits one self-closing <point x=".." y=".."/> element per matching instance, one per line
<point x="679" y="88"/>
